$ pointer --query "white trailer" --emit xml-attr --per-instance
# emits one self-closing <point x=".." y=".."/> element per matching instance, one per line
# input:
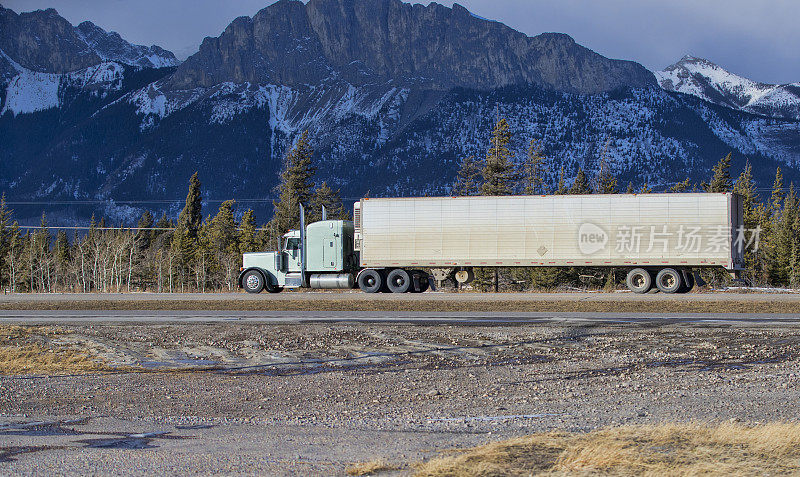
<point x="659" y="238"/>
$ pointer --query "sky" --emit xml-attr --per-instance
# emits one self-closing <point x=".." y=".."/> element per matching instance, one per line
<point x="757" y="39"/>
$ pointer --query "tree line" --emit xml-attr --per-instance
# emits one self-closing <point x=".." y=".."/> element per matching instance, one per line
<point x="191" y="253"/>
<point x="197" y="253"/>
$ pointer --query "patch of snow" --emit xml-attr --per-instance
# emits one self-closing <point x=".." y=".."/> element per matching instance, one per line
<point x="31" y="91"/>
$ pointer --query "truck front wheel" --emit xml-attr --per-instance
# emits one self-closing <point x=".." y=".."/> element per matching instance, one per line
<point x="370" y="281"/>
<point x="253" y="281"/>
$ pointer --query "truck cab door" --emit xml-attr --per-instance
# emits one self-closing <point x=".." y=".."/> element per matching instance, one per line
<point x="332" y="252"/>
<point x="292" y="250"/>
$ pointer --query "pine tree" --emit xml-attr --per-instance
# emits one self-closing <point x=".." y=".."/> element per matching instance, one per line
<point x="606" y="183"/>
<point x="777" y="197"/>
<point x="721" y="180"/>
<point x="191" y="216"/>
<point x="329" y="198"/>
<point x="247" y="232"/>
<point x="646" y="189"/>
<point x="143" y="235"/>
<point x="531" y="173"/>
<point x="499" y="175"/>
<point x="562" y="183"/>
<point x="684" y="186"/>
<point x="581" y="184"/>
<point x="296" y="185"/>
<point x="630" y="190"/>
<point x="468" y="178"/>
<point x="5" y="238"/>
<point x="223" y="233"/>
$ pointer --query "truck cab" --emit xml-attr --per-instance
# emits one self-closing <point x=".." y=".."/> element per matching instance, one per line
<point x="322" y="257"/>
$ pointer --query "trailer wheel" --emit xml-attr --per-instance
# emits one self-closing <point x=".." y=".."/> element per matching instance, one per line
<point x="669" y="280"/>
<point x="253" y="281"/>
<point x="639" y="280"/>
<point x="370" y="281"/>
<point x="398" y="281"/>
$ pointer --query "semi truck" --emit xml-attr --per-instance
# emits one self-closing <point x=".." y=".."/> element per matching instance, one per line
<point x="398" y="244"/>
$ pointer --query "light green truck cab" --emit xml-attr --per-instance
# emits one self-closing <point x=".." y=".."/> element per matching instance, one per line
<point x="330" y="260"/>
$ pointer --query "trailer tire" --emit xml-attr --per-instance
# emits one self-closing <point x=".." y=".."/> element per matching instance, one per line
<point x="399" y="281"/>
<point x="370" y="281"/>
<point x="253" y="281"/>
<point x="639" y="280"/>
<point x="669" y="280"/>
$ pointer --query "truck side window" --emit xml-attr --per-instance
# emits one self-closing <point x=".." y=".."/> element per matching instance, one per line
<point x="292" y="244"/>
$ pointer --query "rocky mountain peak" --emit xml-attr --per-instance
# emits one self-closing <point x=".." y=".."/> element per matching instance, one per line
<point x="365" y="41"/>
<point x="44" y="41"/>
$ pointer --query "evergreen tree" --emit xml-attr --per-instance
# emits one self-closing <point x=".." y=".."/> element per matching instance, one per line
<point x="562" y="183"/>
<point x="223" y="233"/>
<point x="329" y="198"/>
<point x="247" y="233"/>
<point x="606" y="183"/>
<point x="296" y="185"/>
<point x="630" y="190"/>
<point x="777" y="197"/>
<point x="721" y="180"/>
<point x="684" y="186"/>
<point x="531" y="173"/>
<point x="468" y="178"/>
<point x="499" y="175"/>
<point x="646" y="189"/>
<point x="5" y="238"/>
<point x="143" y="235"/>
<point x="581" y="184"/>
<point x="191" y="216"/>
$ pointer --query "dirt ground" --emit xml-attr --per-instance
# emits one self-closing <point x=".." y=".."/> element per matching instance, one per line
<point x="315" y="398"/>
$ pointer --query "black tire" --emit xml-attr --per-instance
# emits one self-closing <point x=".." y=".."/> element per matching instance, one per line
<point x="420" y="281"/>
<point x="669" y="280"/>
<point x="253" y="281"/>
<point x="639" y="280"/>
<point x="370" y="281"/>
<point x="399" y="281"/>
<point x="688" y="281"/>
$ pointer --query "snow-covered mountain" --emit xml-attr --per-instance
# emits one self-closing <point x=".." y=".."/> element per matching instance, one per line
<point x="706" y="80"/>
<point x="388" y="114"/>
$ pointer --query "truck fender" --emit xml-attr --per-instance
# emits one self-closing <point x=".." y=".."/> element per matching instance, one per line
<point x="268" y="278"/>
<point x="357" y="275"/>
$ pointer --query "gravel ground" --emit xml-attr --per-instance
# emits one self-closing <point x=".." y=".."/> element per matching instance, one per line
<point x="311" y="399"/>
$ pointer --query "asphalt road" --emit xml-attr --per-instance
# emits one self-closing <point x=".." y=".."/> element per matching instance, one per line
<point x="163" y="317"/>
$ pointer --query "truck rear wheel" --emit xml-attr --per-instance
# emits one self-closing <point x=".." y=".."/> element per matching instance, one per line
<point x="639" y="280"/>
<point x="669" y="280"/>
<point x="398" y="281"/>
<point x="253" y="281"/>
<point x="370" y="281"/>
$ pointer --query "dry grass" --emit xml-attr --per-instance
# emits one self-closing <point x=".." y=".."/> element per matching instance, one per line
<point x="667" y="449"/>
<point x="35" y="359"/>
<point x="370" y="468"/>
<point x="344" y="304"/>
